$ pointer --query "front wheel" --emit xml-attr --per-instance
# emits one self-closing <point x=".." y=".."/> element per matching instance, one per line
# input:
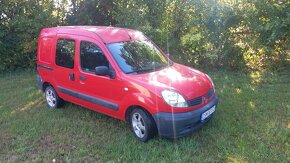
<point x="143" y="125"/>
<point x="52" y="99"/>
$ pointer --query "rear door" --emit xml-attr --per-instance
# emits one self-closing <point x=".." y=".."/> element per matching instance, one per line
<point x="64" y="73"/>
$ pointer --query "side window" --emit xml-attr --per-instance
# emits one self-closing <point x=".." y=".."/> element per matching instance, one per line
<point x="65" y="51"/>
<point x="91" y="56"/>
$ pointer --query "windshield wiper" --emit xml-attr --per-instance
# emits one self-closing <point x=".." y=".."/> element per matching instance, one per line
<point x="149" y="69"/>
<point x="141" y="71"/>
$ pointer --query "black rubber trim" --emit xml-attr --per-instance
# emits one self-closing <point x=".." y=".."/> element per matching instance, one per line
<point x="88" y="98"/>
<point x="45" y="67"/>
<point x="100" y="38"/>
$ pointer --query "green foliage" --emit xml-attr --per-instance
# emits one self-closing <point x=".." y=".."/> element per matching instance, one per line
<point x="91" y="12"/>
<point x="21" y="22"/>
<point x="249" y="35"/>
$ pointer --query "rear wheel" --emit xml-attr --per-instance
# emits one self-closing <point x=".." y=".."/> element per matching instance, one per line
<point x="52" y="99"/>
<point x="143" y="125"/>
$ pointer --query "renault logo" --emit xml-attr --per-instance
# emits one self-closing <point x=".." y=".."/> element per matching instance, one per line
<point x="204" y="99"/>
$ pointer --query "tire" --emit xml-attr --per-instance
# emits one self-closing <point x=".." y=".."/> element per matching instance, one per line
<point x="142" y="124"/>
<point x="52" y="99"/>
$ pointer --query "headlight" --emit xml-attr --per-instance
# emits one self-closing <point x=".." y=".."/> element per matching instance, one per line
<point x="174" y="99"/>
<point x="210" y="80"/>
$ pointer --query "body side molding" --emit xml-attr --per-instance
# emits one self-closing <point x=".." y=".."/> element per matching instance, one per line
<point x="88" y="98"/>
<point x="45" y="67"/>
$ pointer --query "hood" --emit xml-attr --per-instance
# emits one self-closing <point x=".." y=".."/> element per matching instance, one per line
<point x="188" y="82"/>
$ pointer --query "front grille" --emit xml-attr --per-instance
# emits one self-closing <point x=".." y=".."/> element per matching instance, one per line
<point x="195" y="101"/>
<point x="198" y="100"/>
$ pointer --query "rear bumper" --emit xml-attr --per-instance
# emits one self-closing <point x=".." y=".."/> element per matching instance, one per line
<point x="39" y="82"/>
<point x="175" y="125"/>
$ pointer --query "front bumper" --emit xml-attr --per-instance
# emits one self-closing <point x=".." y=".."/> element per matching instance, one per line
<point x="175" y="125"/>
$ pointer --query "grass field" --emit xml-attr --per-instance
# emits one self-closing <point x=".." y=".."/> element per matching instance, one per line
<point x="251" y="124"/>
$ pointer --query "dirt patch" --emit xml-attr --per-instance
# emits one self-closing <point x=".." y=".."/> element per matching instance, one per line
<point x="6" y="139"/>
<point x="46" y="141"/>
<point x="46" y="147"/>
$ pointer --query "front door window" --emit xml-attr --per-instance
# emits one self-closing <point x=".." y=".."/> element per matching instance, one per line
<point x="91" y="56"/>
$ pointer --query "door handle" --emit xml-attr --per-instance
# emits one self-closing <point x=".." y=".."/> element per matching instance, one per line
<point x="82" y="77"/>
<point x="72" y="76"/>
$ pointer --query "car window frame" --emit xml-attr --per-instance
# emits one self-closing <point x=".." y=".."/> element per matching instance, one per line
<point x="75" y="49"/>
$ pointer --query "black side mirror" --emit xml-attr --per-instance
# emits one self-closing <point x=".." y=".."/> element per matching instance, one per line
<point x="104" y="71"/>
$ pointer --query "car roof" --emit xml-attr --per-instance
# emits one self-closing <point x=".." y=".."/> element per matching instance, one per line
<point x="106" y="34"/>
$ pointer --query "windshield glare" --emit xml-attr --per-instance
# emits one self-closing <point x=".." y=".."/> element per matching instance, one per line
<point x="137" y="56"/>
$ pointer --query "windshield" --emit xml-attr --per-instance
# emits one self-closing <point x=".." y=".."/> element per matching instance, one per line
<point x="137" y="56"/>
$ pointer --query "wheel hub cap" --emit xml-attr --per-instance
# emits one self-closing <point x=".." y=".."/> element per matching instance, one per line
<point x="50" y="98"/>
<point x="138" y="125"/>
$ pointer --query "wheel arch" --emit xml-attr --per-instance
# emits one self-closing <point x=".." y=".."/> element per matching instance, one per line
<point x="136" y="101"/>
<point x="46" y="84"/>
<point x="132" y="107"/>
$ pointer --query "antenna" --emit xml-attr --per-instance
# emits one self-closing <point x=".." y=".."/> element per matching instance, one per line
<point x="167" y="45"/>
<point x="129" y="35"/>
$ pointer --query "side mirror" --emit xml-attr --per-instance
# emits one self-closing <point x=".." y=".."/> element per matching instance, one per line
<point x="104" y="71"/>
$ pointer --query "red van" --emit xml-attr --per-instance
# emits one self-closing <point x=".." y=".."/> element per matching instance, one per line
<point x="121" y="73"/>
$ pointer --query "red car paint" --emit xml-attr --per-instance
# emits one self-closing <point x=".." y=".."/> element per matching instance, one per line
<point x="125" y="90"/>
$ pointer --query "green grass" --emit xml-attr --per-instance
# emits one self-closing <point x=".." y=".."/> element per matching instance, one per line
<point x="251" y="124"/>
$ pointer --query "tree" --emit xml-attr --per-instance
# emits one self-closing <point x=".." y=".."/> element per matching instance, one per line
<point x="236" y="34"/>
<point x="91" y="12"/>
<point x="20" y="24"/>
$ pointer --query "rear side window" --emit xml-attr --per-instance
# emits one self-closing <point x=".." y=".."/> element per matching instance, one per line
<point x="65" y="51"/>
<point x="45" y="49"/>
<point x="91" y="56"/>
